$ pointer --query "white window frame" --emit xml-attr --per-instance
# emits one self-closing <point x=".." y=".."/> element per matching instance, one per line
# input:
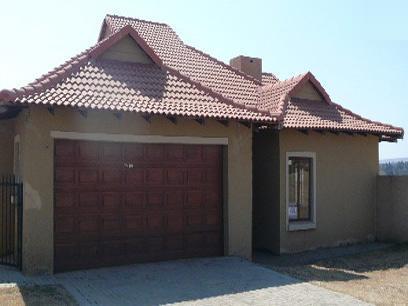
<point x="301" y="225"/>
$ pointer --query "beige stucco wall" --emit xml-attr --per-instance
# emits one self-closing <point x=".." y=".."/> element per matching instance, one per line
<point x="346" y="171"/>
<point x="127" y="50"/>
<point x="308" y="92"/>
<point x="35" y="125"/>
<point x="392" y="208"/>
<point x="6" y="146"/>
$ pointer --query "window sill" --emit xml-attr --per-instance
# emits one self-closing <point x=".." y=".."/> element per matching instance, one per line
<point x="301" y="226"/>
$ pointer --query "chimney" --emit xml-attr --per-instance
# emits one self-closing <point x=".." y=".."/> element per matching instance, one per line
<point x="249" y="65"/>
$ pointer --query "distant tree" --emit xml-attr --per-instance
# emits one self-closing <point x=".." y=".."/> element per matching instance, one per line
<point x="396" y="168"/>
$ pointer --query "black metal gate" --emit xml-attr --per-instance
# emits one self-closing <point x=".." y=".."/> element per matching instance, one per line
<point x="11" y="220"/>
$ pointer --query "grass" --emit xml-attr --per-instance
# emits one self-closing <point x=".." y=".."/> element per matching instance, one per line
<point x="378" y="277"/>
<point x="36" y="296"/>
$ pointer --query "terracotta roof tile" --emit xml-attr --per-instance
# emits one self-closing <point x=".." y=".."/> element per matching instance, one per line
<point x="185" y="81"/>
<point x="145" y="88"/>
<point x="193" y="63"/>
<point x="269" y="78"/>
<point x="306" y="114"/>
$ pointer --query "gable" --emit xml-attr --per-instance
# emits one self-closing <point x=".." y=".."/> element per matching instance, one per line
<point x="308" y="92"/>
<point x="127" y="50"/>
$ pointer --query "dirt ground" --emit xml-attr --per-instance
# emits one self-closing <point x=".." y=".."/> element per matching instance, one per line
<point x="35" y="296"/>
<point x="379" y="277"/>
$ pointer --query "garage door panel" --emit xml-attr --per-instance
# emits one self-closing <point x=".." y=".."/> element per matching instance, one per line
<point x="193" y="221"/>
<point x="174" y="153"/>
<point x="135" y="247"/>
<point x="88" y="226"/>
<point x="111" y="176"/>
<point x="134" y="225"/>
<point x="88" y="202"/>
<point x="155" y="224"/>
<point x="88" y="176"/>
<point x="154" y="176"/>
<point x="212" y="219"/>
<point x="212" y="199"/>
<point x="65" y="176"/>
<point x="88" y="150"/>
<point x="135" y="177"/>
<point x="65" y="201"/>
<point x="110" y="202"/>
<point x="154" y="200"/>
<point x="112" y="249"/>
<point x="66" y="253"/>
<point x="193" y="153"/>
<point x="88" y="252"/>
<point x="175" y="222"/>
<point x="110" y="227"/>
<point x="134" y="201"/>
<point x="212" y="176"/>
<point x="212" y="155"/>
<point x="65" y="225"/>
<point x="133" y="152"/>
<point x="154" y="244"/>
<point x="65" y="150"/>
<point x="175" y="176"/>
<point x="119" y="203"/>
<point x="194" y="199"/>
<point x="213" y="239"/>
<point x="111" y="152"/>
<point x="154" y="152"/>
<point x="174" y="244"/>
<point x="195" y="176"/>
<point x="175" y="200"/>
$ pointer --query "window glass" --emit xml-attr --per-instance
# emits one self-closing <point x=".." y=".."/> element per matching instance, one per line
<point x="300" y="186"/>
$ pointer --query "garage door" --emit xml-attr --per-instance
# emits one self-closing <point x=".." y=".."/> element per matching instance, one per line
<point x="125" y="203"/>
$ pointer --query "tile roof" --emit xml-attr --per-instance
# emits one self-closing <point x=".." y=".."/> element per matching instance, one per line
<point x="187" y="82"/>
<point x="319" y="115"/>
<point x="143" y="88"/>
<point x="85" y="81"/>
<point x="193" y="63"/>
<point x="269" y="78"/>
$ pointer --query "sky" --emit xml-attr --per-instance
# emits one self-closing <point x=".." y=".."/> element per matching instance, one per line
<point x="357" y="49"/>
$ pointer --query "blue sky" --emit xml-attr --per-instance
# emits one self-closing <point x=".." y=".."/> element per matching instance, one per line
<point x="357" y="49"/>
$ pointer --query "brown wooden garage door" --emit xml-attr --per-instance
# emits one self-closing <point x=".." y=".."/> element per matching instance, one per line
<point x="126" y="203"/>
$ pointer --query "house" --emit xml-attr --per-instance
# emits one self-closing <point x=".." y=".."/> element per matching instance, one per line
<point x="143" y="148"/>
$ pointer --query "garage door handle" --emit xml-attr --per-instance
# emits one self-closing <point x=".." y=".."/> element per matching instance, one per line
<point x="128" y="165"/>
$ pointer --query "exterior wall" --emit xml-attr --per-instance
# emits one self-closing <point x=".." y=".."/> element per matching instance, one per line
<point x="127" y="50"/>
<point x="266" y="177"/>
<point x="392" y="208"/>
<point x="308" y="92"/>
<point x="346" y="170"/>
<point x="6" y="146"/>
<point x="34" y="127"/>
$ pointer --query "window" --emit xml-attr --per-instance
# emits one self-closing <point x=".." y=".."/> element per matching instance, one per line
<point x="300" y="191"/>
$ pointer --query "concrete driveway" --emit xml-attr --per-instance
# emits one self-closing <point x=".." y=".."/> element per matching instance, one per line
<point x="210" y="281"/>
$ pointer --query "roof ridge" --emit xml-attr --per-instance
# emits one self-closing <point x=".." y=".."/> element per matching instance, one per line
<point x="225" y="65"/>
<point x="270" y="74"/>
<point x="137" y="19"/>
